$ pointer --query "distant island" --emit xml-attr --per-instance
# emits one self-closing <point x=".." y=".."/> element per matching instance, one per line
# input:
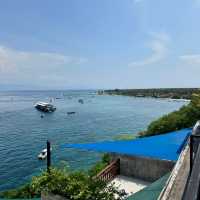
<point x="172" y="93"/>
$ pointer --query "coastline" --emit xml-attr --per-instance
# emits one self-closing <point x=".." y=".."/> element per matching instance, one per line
<point x="175" y="94"/>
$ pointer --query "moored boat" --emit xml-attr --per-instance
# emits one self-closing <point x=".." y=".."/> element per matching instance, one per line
<point x="45" y="107"/>
<point x="43" y="154"/>
<point x="70" y="113"/>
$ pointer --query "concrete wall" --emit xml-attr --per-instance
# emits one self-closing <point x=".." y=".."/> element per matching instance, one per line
<point x="50" y="196"/>
<point x="144" y="168"/>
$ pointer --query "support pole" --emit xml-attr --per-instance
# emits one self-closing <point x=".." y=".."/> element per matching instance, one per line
<point x="191" y="152"/>
<point x="48" y="156"/>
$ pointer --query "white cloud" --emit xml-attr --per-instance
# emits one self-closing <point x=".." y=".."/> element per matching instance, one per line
<point x="193" y="59"/>
<point x="12" y="60"/>
<point x="159" y="48"/>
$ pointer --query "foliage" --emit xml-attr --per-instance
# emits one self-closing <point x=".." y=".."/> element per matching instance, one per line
<point x="185" y="117"/>
<point x="77" y="185"/>
<point x="99" y="165"/>
<point x="72" y="185"/>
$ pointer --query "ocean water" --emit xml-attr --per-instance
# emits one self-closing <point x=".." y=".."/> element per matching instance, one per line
<point x="23" y="133"/>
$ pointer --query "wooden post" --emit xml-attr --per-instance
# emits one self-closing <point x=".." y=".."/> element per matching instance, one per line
<point x="48" y="156"/>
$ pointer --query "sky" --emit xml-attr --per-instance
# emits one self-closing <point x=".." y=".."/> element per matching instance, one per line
<point x="99" y="44"/>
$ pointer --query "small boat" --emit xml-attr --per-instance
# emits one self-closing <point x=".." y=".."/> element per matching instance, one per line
<point x="43" y="154"/>
<point x="70" y="113"/>
<point x="45" y="107"/>
<point x="81" y="101"/>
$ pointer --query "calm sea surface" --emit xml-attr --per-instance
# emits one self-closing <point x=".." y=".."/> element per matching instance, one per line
<point x="23" y="133"/>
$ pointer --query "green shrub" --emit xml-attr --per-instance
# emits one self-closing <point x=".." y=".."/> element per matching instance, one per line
<point x="72" y="185"/>
<point x="185" y="117"/>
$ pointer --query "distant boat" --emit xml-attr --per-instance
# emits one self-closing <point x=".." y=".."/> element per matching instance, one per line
<point x="43" y="154"/>
<point x="70" y="113"/>
<point x="45" y="107"/>
<point x="81" y="101"/>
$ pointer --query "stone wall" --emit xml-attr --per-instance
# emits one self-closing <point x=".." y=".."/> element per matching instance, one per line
<point x="144" y="168"/>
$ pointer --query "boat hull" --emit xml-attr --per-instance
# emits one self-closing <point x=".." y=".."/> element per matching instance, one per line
<point x="45" y="109"/>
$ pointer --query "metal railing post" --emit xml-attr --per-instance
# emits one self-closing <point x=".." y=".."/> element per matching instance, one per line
<point x="191" y="152"/>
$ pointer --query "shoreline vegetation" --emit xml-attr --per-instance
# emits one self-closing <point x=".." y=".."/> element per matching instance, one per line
<point x="81" y="184"/>
<point x="185" y="117"/>
<point x="170" y="93"/>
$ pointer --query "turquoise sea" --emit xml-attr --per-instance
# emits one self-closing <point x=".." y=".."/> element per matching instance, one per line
<point x="23" y="133"/>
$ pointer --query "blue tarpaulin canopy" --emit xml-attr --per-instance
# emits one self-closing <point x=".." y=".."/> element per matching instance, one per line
<point x="167" y="146"/>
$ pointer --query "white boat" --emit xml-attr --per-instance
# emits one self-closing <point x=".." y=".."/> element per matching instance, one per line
<point x="43" y="154"/>
<point x="45" y="107"/>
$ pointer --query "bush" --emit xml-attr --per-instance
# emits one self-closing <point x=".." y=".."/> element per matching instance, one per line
<point x="185" y="117"/>
<point x="72" y="185"/>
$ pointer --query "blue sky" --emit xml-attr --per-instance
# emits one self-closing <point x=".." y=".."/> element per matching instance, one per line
<point x="76" y="44"/>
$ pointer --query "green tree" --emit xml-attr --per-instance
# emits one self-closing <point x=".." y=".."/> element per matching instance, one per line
<point x="185" y="117"/>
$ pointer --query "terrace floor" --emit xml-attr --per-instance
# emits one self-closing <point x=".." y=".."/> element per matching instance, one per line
<point x="130" y="185"/>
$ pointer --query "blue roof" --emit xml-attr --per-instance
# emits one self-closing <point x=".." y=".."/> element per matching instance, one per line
<point x="166" y="146"/>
